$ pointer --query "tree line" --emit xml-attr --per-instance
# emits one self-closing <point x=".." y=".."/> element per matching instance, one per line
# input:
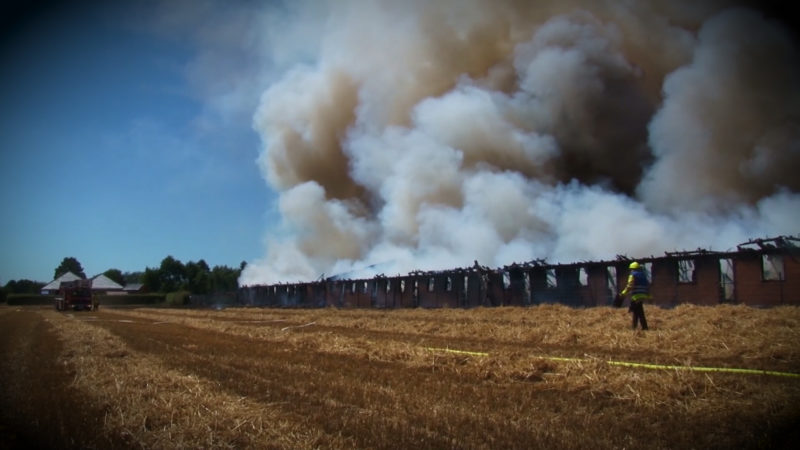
<point x="170" y="276"/>
<point x="195" y="277"/>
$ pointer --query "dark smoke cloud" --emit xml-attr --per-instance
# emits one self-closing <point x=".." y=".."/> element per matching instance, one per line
<point x="425" y="135"/>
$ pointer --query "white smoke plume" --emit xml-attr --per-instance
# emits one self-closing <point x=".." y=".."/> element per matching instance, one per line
<point x="430" y="134"/>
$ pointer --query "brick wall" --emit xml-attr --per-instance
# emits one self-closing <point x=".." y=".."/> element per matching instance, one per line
<point x="705" y="288"/>
<point x="598" y="293"/>
<point x="752" y="289"/>
<point x="528" y="285"/>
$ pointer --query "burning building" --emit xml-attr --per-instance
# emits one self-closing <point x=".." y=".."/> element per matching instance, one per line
<point x="427" y="135"/>
<point x="762" y="272"/>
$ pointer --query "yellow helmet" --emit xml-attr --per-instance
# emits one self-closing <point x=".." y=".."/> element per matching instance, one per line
<point x="634" y="266"/>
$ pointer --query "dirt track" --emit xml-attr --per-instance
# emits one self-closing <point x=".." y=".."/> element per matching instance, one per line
<point x="367" y="380"/>
<point x="38" y="409"/>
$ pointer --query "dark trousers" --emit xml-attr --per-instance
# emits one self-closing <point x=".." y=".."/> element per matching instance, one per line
<point x="637" y="309"/>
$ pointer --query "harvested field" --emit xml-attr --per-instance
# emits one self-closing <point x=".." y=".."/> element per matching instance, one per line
<point x="534" y="377"/>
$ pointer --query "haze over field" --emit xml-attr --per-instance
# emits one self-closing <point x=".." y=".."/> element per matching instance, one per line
<point x="427" y="135"/>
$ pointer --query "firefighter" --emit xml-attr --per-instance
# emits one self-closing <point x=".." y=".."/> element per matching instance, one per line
<point x="639" y="288"/>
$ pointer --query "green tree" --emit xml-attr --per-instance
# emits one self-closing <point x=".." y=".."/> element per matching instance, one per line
<point x="23" y="287"/>
<point x="172" y="274"/>
<point x="69" y="264"/>
<point x="225" y="279"/>
<point x="115" y="275"/>
<point x="195" y="277"/>
<point x="151" y="279"/>
<point x="198" y="280"/>
<point x="132" y="277"/>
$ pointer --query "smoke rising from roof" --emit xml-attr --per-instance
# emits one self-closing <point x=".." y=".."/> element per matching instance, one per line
<point x="427" y="135"/>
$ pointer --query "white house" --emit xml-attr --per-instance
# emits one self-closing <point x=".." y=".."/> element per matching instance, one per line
<point x="100" y="284"/>
<point x="105" y="284"/>
<point x="52" y="287"/>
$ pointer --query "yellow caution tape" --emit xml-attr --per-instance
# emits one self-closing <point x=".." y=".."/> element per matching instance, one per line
<point x="705" y="369"/>
<point x="639" y="365"/>
<point x="461" y="352"/>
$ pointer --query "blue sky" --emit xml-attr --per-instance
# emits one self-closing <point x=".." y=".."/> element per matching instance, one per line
<point x="119" y="141"/>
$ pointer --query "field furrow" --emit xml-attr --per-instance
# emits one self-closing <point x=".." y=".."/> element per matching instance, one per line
<point x="483" y="378"/>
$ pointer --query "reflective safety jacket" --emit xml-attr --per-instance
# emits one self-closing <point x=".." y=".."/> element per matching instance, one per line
<point x="638" y="286"/>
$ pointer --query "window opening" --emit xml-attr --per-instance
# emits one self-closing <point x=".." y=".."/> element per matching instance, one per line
<point x="552" y="281"/>
<point x="772" y="267"/>
<point x="611" y="277"/>
<point x="726" y="279"/>
<point x="430" y="284"/>
<point x="449" y="284"/>
<point x="506" y="280"/>
<point x="527" y="282"/>
<point x="583" y="276"/>
<point x="403" y="286"/>
<point x="685" y="271"/>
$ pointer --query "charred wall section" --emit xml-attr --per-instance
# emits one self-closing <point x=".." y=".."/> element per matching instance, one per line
<point x="763" y="272"/>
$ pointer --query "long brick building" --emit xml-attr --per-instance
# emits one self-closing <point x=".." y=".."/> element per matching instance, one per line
<point x="761" y="272"/>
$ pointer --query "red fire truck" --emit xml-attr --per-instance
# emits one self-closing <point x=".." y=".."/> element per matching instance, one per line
<point x="76" y="295"/>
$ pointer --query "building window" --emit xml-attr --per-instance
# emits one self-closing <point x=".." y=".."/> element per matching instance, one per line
<point x="772" y="267"/>
<point x="527" y="282"/>
<point x="365" y="288"/>
<point x="430" y="284"/>
<point x="388" y="286"/>
<point x="353" y="287"/>
<point x="552" y="281"/>
<point x="583" y="276"/>
<point x="611" y="277"/>
<point x="449" y="284"/>
<point x="726" y="278"/>
<point x="506" y="280"/>
<point x="402" y="286"/>
<point x="686" y="271"/>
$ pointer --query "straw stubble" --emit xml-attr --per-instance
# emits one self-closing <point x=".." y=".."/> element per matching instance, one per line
<point x="479" y="378"/>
